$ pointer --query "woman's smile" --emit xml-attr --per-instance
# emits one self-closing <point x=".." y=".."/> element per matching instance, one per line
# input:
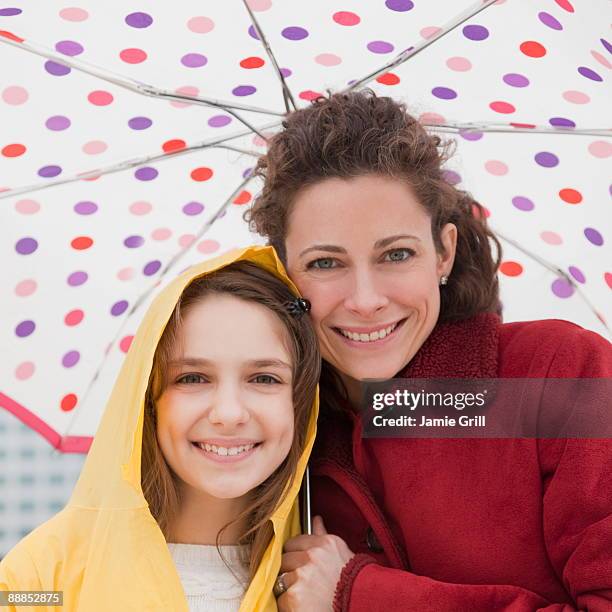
<point x="369" y="337"/>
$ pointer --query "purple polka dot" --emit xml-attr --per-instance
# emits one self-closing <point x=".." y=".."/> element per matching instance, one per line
<point x="139" y="20"/>
<point x="516" y="80"/>
<point x="140" y="123"/>
<point x="471" y="134"/>
<point x="593" y="236"/>
<point x="70" y="359"/>
<point x="561" y="122"/>
<point x="561" y="288"/>
<point x="286" y="72"/>
<point x="606" y="44"/>
<point x="522" y="203"/>
<point x="475" y="32"/>
<point x="247" y="172"/>
<point x="56" y="69"/>
<point x="219" y="121"/>
<point x="57" y="123"/>
<point x="193" y="208"/>
<point x="546" y="159"/>
<point x="295" y="33"/>
<point x="146" y="174"/>
<point x="444" y="93"/>
<point x="151" y="268"/>
<point x="49" y="171"/>
<point x="85" y="208"/>
<point x="548" y="20"/>
<point x="380" y="46"/>
<point x="244" y="90"/>
<point x="222" y="214"/>
<point x="399" y="5"/>
<point x="77" y="278"/>
<point x="118" y="308"/>
<point x="69" y="47"/>
<point x="25" y="328"/>
<point x="194" y="60"/>
<point x="9" y="12"/>
<point x="133" y="242"/>
<point x="452" y="177"/>
<point x="589" y="74"/>
<point x="26" y="246"/>
<point x="253" y="33"/>
<point x="577" y="274"/>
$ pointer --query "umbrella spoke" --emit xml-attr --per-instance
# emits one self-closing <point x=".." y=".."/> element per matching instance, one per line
<point x="487" y="126"/>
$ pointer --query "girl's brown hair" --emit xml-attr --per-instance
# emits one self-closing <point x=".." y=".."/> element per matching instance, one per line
<point x="358" y="133"/>
<point x="251" y="283"/>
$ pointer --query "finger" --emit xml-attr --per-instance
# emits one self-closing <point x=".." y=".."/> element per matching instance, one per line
<point x="292" y="560"/>
<point x="303" y="542"/>
<point x="318" y="527"/>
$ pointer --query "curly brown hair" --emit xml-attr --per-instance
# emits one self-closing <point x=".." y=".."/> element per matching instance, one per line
<point x="352" y="134"/>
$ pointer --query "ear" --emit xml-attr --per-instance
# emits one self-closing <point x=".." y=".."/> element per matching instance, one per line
<point x="448" y="238"/>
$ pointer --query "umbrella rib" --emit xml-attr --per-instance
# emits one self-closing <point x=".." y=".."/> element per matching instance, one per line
<point x="287" y="95"/>
<point x="558" y="271"/>
<point x="413" y="51"/>
<point x="131" y="84"/>
<point x="132" y="163"/>
<point x="143" y="297"/>
<point x="500" y="128"/>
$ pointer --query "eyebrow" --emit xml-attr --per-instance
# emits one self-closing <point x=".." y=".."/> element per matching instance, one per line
<point x="379" y="244"/>
<point x="256" y="363"/>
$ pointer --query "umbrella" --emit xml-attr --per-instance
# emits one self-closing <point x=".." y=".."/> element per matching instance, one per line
<point x="129" y="132"/>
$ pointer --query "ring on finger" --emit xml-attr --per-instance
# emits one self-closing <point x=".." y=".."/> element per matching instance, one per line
<point x="279" y="585"/>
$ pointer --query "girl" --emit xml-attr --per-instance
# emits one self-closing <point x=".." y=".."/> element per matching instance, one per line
<point x="218" y="391"/>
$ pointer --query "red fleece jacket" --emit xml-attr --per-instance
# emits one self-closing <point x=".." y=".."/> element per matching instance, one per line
<point x="471" y="524"/>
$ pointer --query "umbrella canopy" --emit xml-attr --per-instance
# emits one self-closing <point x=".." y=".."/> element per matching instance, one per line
<point x="128" y="134"/>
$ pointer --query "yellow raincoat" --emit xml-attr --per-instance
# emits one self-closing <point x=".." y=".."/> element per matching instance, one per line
<point x="105" y="550"/>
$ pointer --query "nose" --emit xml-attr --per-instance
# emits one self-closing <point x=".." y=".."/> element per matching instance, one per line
<point x="228" y="409"/>
<point x="366" y="296"/>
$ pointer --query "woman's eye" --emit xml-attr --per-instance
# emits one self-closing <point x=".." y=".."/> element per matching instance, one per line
<point x="190" y="379"/>
<point x="399" y="254"/>
<point x="265" y="379"/>
<point x="324" y="263"/>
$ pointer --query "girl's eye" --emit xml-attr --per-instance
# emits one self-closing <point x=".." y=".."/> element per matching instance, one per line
<point x="190" y="379"/>
<point x="324" y="263"/>
<point x="266" y="379"/>
<point x="399" y="254"/>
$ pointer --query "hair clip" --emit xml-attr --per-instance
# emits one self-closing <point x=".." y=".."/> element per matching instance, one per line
<point x="297" y="307"/>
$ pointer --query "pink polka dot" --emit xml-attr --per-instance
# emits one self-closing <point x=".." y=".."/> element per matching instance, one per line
<point x="186" y="240"/>
<point x="429" y="31"/>
<point x="74" y="14"/>
<point x="161" y="233"/>
<point x="200" y="25"/>
<point x="598" y="57"/>
<point x="258" y="141"/>
<point x="495" y="167"/>
<point x="328" y="59"/>
<point x="208" y="246"/>
<point x="187" y="90"/>
<point x="140" y="208"/>
<point x="259" y="5"/>
<point x="432" y="118"/>
<point x="26" y="287"/>
<point x="100" y="98"/>
<point x="459" y="64"/>
<point x="125" y="274"/>
<point x="94" y="147"/>
<point x="133" y="56"/>
<point x="600" y="148"/>
<point x="27" y="207"/>
<point x="15" y="95"/>
<point x="551" y="238"/>
<point x="24" y="370"/>
<point x="576" y="97"/>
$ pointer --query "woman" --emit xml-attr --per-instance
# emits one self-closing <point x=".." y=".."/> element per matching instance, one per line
<point x="218" y="390"/>
<point x="399" y="268"/>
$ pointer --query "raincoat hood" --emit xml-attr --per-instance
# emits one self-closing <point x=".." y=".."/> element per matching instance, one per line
<point x="105" y="550"/>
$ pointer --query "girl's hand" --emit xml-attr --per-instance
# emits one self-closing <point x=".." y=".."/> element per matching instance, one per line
<point x="312" y="565"/>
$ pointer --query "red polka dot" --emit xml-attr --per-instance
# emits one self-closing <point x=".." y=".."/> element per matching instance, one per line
<point x="346" y="18"/>
<point x="81" y="243"/>
<point x="531" y="48"/>
<point x="502" y="107"/>
<point x="571" y="196"/>
<point x="11" y="36"/>
<point x="523" y="125"/>
<point x="125" y="343"/>
<point x="565" y="4"/>
<point x="201" y="174"/>
<point x="309" y="95"/>
<point x="68" y="402"/>
<point x="173" y="145"/>
<point x="13" y="150"/>
<point x="479" y="213"/>
<point x="252" y="62"/>
<point x="100" y="98"/>
<point x="388" y="79"/>
<point x="511" y="268"/>
<point x="133" y="56"/>
<point x="608" y="279"/>
<point x="74" y="317"/>
<point x="243" y="197"/>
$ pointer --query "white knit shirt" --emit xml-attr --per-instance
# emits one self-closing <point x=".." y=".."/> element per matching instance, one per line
<point x="208" y="583"/>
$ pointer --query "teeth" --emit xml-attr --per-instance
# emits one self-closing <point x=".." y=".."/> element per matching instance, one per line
<point x="376" y="335"/>
<point x="224" y="451"/>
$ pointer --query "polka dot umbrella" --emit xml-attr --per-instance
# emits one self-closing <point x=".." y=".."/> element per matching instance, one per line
<point x="129" y="131"/>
